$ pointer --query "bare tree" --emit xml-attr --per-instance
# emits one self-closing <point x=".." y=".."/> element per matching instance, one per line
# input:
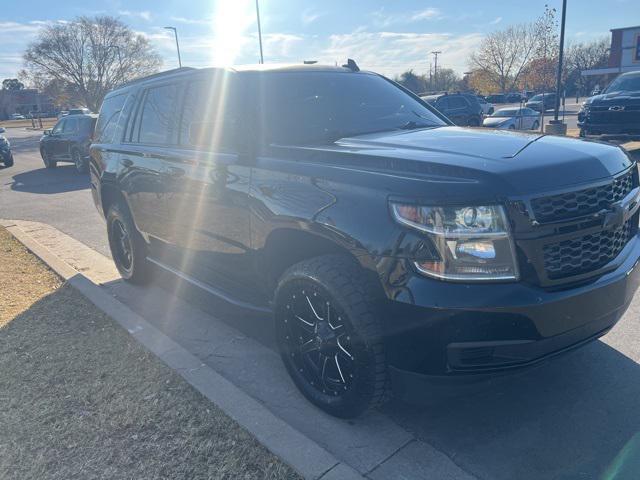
<point x="503" y="55"/>
<point x="91" y="56"/>
<point x="586" y="56"/>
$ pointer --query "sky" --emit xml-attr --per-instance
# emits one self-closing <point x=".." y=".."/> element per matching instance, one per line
<point x="388" y="37"/>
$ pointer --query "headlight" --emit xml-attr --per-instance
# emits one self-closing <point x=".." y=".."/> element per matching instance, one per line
<point x="472" y="243"/>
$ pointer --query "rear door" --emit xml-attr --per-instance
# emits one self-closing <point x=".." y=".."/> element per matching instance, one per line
<point x="153" y="136"/>
<point x="69" y="133"/>
<point x="207" y="181"/>
<point x="458" y="110"/>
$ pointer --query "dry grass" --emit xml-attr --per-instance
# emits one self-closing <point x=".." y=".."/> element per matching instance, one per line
<point x="79" y="398"/>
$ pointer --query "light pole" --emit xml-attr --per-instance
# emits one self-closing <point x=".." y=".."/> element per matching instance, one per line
<point x="259" y="31"/>
<point x="556" y="126"/>
<point x="435" y="69"/>
<point x="175" y="33"/>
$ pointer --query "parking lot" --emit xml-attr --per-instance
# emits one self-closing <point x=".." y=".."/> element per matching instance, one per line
<point x="575" y="417"/>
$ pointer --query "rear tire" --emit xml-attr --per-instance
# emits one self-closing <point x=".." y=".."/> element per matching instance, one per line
<point x="329" y="334"/>
<point x="128" y="248"/>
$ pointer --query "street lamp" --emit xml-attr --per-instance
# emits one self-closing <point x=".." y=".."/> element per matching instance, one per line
<point x="259" y="31"/>
<point x="175" y="33"/>
<point x="556" y="125"/>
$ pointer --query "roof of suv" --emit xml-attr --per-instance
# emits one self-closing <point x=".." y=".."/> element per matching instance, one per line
<point x="258" y="68"/>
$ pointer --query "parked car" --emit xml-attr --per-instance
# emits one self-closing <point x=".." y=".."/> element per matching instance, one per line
<point x="68" y="141"/>
<point x="615" y="111"/>
<point x="513" y="119"/>
<point x="542" y="102"/>
<point x="386" y="242"/>
<point x="79" y="111"/>
<point x="17" y="116"/>
<point x="461" y="109"/>
<point x="487" y="108"/>
<point x="515" y="97"/>
<point x="5" y="150"/>
<point x="63" y="113"/>
<point x="496" y="98"/>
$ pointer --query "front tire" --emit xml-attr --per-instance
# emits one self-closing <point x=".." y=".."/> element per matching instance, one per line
<point x="329" y="333"/>
<point x="48" y="161"/>
<point x="536" y="125"/>
<point x="128" y="248"/>
<point x="78" y="161"/>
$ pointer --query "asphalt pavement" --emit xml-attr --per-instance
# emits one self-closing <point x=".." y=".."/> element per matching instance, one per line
<point x="575" y="417"/>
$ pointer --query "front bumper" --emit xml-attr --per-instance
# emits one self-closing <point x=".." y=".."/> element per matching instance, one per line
<point x="590" y="128"/>
<point x="440" y="328"/>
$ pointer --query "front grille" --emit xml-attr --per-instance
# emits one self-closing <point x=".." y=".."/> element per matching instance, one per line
<point x="585" y="254"/>
<point x="582" y="202"/>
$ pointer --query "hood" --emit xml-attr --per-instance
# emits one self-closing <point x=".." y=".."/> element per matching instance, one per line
<point x="496" y="162"/>
<point x="615" y="98"/>
<point x="496" y="121"/>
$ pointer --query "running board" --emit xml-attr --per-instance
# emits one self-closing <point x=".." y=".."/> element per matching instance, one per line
<point x="209" y="289"/>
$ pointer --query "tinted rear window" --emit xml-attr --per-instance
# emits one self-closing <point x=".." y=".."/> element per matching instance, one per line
<point x="108" y="118"/>
<point x="325" y="106"/>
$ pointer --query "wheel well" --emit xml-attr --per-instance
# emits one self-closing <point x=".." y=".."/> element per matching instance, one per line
<point x="110" y="195"/>
<point x="287" y="247"/>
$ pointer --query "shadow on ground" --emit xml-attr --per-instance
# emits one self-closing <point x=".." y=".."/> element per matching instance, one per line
<point x="47" y="181"/>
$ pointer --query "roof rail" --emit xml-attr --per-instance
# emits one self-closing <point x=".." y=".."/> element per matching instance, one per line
<point x="157" y="75"/>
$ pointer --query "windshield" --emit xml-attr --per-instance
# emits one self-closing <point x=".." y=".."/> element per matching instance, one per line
<point x="505" y="112"/>
<point x="538" y="98"/>
<point x="624" y="83"/>
<point x="326" y="106"/>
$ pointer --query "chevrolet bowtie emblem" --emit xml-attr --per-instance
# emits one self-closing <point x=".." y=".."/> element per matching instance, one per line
<point x="617" y="108"/>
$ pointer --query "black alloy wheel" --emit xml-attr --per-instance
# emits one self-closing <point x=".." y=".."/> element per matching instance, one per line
<point x="329" y="336"/>
<point x="128" y="249"/>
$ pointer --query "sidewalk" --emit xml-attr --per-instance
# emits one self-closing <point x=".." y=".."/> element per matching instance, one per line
<point x="82" y="399"/>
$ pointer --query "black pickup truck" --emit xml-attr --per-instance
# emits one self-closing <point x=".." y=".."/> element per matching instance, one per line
<point x="615" y="111"/>
<point x="384" y="240"/>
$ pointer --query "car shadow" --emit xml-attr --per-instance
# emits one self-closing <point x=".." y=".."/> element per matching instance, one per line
<point x="574" y="417"/>
<point x="47" y="181"/>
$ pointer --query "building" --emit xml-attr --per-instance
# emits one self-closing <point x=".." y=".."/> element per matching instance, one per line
<point x="624" y="54"/>
<point x="24" y="101"/>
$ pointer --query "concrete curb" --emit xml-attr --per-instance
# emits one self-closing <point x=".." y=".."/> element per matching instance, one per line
<point x="304" y="455"/>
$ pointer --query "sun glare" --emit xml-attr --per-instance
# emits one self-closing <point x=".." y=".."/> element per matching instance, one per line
<point x="232" y="22"/>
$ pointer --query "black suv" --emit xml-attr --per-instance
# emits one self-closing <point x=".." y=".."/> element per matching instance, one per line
<point x="385" y="241"/>
<point x="68" y="141"/>
<point x="460" y="108"/>
<point x="616" y="111"/>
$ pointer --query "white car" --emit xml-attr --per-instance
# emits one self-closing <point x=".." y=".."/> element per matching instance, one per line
<point x="17" y="116"/>
<point x="513" y="119"/>
<point x="487" y="108"/>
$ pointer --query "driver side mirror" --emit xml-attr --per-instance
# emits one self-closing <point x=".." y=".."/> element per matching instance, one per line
<point x="2" y="130"/>
<point x="47" y="132"/>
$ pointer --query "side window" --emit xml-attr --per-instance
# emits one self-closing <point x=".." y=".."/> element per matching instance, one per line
<point x="108" y="118"/>
<point x="442" y="103"/>
<point x="209" y="114"/>
<point x="457" y="102"/>
<point x="59" y="126"/>
<point x="158" y="118"/>
<point x="70" y="126"/>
